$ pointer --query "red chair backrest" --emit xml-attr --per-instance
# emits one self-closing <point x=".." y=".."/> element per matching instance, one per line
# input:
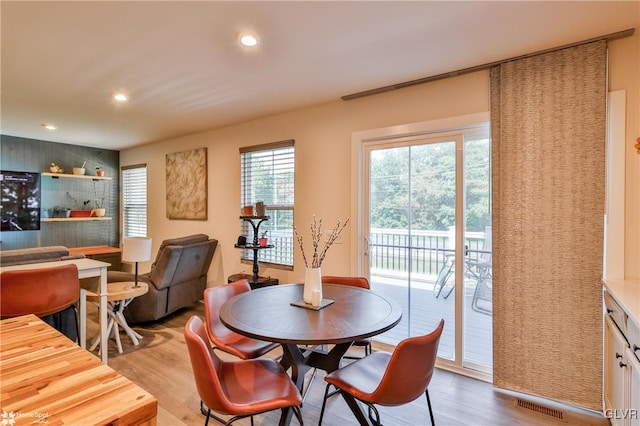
<point x="41" y="292"/>
<point x="205" y="364"/>
<point x="409" y="370"/>
<point x="214" y="298"/>
<point x="361" y="282"/>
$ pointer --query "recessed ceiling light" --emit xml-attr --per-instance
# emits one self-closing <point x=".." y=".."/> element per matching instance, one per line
<point x="120" y="97"/>
<point x="49" y="126"/>
<point x="248" y="40"/>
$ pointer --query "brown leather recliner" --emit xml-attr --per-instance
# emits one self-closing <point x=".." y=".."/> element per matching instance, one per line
<point x="177" y="278"/>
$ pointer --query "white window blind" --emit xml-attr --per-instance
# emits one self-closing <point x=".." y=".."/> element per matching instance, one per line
<point x="134" y="201"/>
<point x="267" y="174"/>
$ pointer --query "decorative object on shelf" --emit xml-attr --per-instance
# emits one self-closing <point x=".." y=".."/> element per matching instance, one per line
<point x="79" y="170"/>
<point x="80" y="213"/>
<point x="242" y="241"/>
<point x="53" y="168"/>
<point x="98" y="212"/>
<point x="186" y="174"/>
<point x="99" y="189"/>
<point x="59" y="212"/>
<point x="260" y="209"/>
<point x="136" y="249"/>
<point x="75" y="211"/>
<point x="313" y="275"/>
<point x="262" y="241"/>
<point x="247" y="211"/>
<point x="99" y="171"/>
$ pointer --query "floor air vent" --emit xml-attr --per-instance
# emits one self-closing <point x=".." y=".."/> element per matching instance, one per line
<point x="541" y="409"/>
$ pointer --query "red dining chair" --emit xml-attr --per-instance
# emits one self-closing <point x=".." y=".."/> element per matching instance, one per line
<point x="240" y="388"/>
<point x="42" y="292"/>
<point x="224" y="339"/>
<point x="388" y="379"/>
<point x="361" y="282"/>
<point x="220" y="336"/>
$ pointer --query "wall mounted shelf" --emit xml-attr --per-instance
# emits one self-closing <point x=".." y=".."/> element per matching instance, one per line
<point x="73" y="219"/>
<point x="67" y="175"/>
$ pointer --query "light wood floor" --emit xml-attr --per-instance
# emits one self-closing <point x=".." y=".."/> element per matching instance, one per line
<point x="160" y="364"/>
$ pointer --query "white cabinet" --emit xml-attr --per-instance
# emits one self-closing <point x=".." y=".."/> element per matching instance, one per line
<point x="621" y="354"/>
<point x="634" y="388"/>
<point x="615" y="374"/>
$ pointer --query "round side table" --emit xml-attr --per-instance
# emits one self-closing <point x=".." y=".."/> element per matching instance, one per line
<point x="119" y="295"/>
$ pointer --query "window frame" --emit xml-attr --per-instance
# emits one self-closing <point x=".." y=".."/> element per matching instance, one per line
<point x="282" y="255"/>
<point x="131" y="227"/>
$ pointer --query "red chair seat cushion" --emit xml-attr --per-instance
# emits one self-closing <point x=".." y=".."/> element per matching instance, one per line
<point x="246" y="347"/>
<point x="257" y="385"/>
<point x="361" y="378"/>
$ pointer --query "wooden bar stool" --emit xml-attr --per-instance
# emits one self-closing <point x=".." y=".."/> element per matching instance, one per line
<point x="119" y="295"/>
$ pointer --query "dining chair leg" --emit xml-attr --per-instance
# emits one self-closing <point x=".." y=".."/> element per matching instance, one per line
<point x="206" y="411"/>
<point x="333" y="392"/>
<point x="372" y="409"/>
<point x="298" y="413"/>
<point x="313" y="377"/>
<point x="324" y="403"/>
<point x="426" y="392"/>
<point x="76" y="323"/>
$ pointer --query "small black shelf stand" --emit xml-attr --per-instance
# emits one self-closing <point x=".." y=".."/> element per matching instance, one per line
<point x="255" y="222"/>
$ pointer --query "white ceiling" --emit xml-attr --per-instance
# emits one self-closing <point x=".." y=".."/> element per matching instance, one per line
<point x="185" y="72"/>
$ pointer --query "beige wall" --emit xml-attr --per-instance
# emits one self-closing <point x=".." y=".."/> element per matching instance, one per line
<point x="323" y="161"/>
<point x="624" y="74"/>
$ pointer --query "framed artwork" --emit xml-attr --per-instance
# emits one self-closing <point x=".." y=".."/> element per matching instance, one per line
<point x="187" y="185"/>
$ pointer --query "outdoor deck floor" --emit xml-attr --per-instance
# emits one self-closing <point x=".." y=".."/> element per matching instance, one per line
<point x="426" y="310"/>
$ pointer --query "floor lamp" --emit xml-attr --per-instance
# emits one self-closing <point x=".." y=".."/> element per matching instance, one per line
<point x="136" y="249"/>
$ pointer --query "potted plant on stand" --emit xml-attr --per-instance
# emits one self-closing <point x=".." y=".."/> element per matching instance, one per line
<point x="260" y="209"/>
<point x="247" y="211"/>
<point x="262" y="241"/>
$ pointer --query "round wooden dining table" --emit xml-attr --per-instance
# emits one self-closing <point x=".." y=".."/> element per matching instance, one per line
<point x="268" y="313"/>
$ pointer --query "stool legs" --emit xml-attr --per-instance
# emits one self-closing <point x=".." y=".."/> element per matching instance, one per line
<point x="117" y="320"/>
<point x="119" y="317"/>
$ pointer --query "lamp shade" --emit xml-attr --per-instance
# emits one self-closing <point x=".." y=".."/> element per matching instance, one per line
<point x="136" y="249"/>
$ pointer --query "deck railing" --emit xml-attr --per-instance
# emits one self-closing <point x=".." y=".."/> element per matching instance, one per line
<point x="389" y="249"/>
<point x="422" y="252"/>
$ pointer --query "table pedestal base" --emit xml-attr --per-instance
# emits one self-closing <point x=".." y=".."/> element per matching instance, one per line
<point x="301" y="360"/>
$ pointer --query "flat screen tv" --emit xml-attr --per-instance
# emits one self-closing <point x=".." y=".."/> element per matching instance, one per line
<point x="20" y="208"/>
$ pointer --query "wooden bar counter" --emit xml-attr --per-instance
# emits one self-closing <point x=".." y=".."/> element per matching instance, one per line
<point x="48" y="379"/>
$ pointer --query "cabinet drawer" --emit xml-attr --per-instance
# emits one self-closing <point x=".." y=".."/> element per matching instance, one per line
<point x="616" y="313"/>
<point x="633" y="336"/>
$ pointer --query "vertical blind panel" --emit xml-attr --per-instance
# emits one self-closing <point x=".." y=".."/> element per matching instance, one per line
<point x="268" y="175"/>
<point x="548" y="117"/>
<point x="134" y="202"/>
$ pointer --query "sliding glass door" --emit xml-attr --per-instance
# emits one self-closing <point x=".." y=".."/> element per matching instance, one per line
<point x="427" y="238"/>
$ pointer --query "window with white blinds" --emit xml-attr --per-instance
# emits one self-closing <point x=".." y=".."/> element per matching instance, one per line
<point x="134" y="201"/>
<point x="267" y="174"/>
